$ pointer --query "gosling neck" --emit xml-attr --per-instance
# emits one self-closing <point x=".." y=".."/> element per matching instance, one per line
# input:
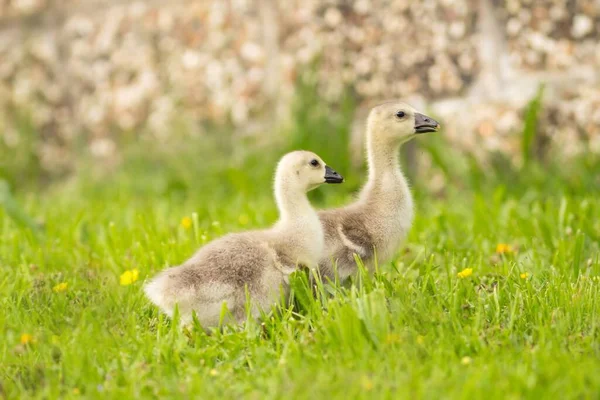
<point x="292" y="202"/>
<point x="383" y="160"/>
<point x="386" y="185"/>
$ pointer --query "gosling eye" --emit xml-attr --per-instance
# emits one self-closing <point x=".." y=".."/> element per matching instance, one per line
<point x="400" y="114"/>
<point x="314" y="163"/>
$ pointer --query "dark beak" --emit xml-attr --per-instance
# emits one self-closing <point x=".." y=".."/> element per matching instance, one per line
<point x="331" y="176"/>
<point x="423" y="124"/>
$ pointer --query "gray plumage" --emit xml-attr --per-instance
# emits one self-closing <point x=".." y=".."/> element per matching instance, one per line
<point x="374" y="226"/>
<point x="257" y="261"/>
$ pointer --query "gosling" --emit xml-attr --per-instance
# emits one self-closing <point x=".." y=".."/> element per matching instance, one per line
<point x="256" y="262"/>
<point x="374" y="226"/>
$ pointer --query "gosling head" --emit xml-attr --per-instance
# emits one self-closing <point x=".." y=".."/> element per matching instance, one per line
<point x="397" y="122"/>
<point x="304" y="171"/>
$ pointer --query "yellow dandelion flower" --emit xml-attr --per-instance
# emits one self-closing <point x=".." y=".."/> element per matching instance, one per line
<point x="420" y="339"/>
<point x="61" y="287"/>
<point x="366" y="383"/>
<point x="465" y="273"/>
<point x="186" y="222"/>
<point x="26" y="338"/>
<point x="503" y="248"/>
<point x="243" y="219"/>
<point x="129" y="276"/>
<point x="213" y="372"/>
<point x="466" y="360"/>
<point x="524" y="275"/>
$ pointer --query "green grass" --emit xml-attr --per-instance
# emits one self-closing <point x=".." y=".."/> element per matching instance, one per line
<point x="525" y="324"/>
<point x="414" y="330"/>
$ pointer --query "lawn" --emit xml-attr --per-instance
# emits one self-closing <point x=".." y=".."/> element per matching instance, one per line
<point x="495" y="294"/>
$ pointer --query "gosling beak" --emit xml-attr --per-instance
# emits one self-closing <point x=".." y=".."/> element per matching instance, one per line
<point x="331" y="176"/>
<point x="423" y="124"/>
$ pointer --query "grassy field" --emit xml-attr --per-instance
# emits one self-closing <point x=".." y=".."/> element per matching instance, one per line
<point x="495" y="294"/>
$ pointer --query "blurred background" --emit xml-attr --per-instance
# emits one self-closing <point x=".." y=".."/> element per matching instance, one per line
<point x="134" y="131"/>
<point x="172" y="98"/>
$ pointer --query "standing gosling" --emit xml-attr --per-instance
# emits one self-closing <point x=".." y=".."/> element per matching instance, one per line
<point x="380" y="219"/>
<point x="260" y="261"/>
